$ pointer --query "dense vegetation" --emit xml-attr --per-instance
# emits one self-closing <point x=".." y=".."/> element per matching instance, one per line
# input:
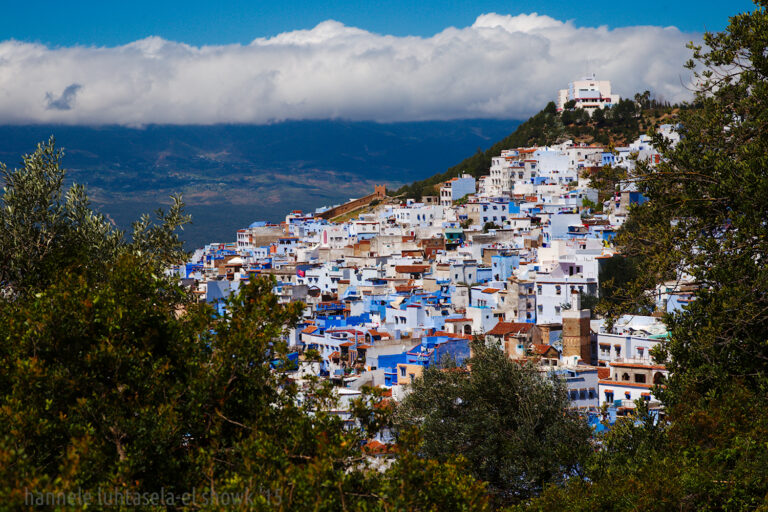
<point x="511" y="425"/>
<point x="705" y="218"/>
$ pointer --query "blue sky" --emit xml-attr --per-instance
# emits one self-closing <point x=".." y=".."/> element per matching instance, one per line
<point x="135" y="62"/>
<point x="198" y="22"/>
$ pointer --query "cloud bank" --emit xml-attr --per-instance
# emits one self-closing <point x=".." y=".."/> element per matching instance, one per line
<point x="500" y="67"/>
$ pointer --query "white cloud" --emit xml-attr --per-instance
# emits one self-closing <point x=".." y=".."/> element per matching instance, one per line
<point x="501" y="66"/>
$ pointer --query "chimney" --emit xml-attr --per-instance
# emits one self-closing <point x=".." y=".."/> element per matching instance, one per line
<point x="575" y="300"/>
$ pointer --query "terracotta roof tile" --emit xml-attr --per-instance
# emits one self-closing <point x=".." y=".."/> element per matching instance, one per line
<point x="410" y="269"/>
<point x="504" y="328"/>
<point x="542" y="349"/>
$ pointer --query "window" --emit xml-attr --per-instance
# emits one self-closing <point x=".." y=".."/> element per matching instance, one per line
<point x="558" y="291"/>
<point x="538" y="289"/>
<point x="402" y="371"/>
<point x="640" y="378"/>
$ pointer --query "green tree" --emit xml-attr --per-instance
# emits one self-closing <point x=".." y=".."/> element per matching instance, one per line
<point x="606" y="181"/>
<point x="511" y="424"/>
<point x="705" y="218"/>
<point x="44" y="229"/>
<point x="598" y="117"/>
<point x="708" y="201"/>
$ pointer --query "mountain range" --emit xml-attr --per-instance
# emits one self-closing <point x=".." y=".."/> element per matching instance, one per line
<point x="231" y="175"/>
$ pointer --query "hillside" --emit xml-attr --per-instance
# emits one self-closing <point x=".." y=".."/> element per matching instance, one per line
<point x="617" y="126"/>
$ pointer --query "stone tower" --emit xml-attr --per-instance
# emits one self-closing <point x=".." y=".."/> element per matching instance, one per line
<point x="576" y="330"/>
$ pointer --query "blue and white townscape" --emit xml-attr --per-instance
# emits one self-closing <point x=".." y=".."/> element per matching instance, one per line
<point x="393" y="286"/>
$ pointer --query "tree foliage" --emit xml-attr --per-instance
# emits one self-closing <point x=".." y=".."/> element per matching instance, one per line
<point x="705" y="219"/>
<point x="706" y="215"/>
<point x="44" y="230"/>
<point x="510" y="423"/>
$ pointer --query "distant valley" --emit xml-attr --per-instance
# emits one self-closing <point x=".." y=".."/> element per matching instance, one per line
<point x="231" y="175"/>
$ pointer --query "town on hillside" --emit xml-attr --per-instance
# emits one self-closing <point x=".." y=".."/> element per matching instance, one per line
<point x="514" y="258"/>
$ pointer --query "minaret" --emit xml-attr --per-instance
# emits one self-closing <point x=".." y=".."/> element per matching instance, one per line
<point x="576" y="330"/>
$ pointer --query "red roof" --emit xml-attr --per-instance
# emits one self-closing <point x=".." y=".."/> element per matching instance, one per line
<point x="309" y="329"/>
<point x="542" y="349"/>
<point x="625" y="383"/>
<point x="491" y="290"/>
<point x="411" y="269"/>
<point x="504" y="328"/>
<point x="603" y="373"/>
<point x="374" y="447"/>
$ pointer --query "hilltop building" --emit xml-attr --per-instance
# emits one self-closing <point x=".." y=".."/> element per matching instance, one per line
<point x="588" y="94"/>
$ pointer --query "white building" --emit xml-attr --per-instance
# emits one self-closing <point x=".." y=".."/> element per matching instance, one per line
<point x="588" y="94"/>
<point x="456" y="188"/>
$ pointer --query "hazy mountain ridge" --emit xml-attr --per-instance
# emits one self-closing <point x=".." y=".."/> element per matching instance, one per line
<point x="231" y="175"/>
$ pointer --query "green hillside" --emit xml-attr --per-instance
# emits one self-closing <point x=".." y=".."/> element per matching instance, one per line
<point x="618" y="125"/>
